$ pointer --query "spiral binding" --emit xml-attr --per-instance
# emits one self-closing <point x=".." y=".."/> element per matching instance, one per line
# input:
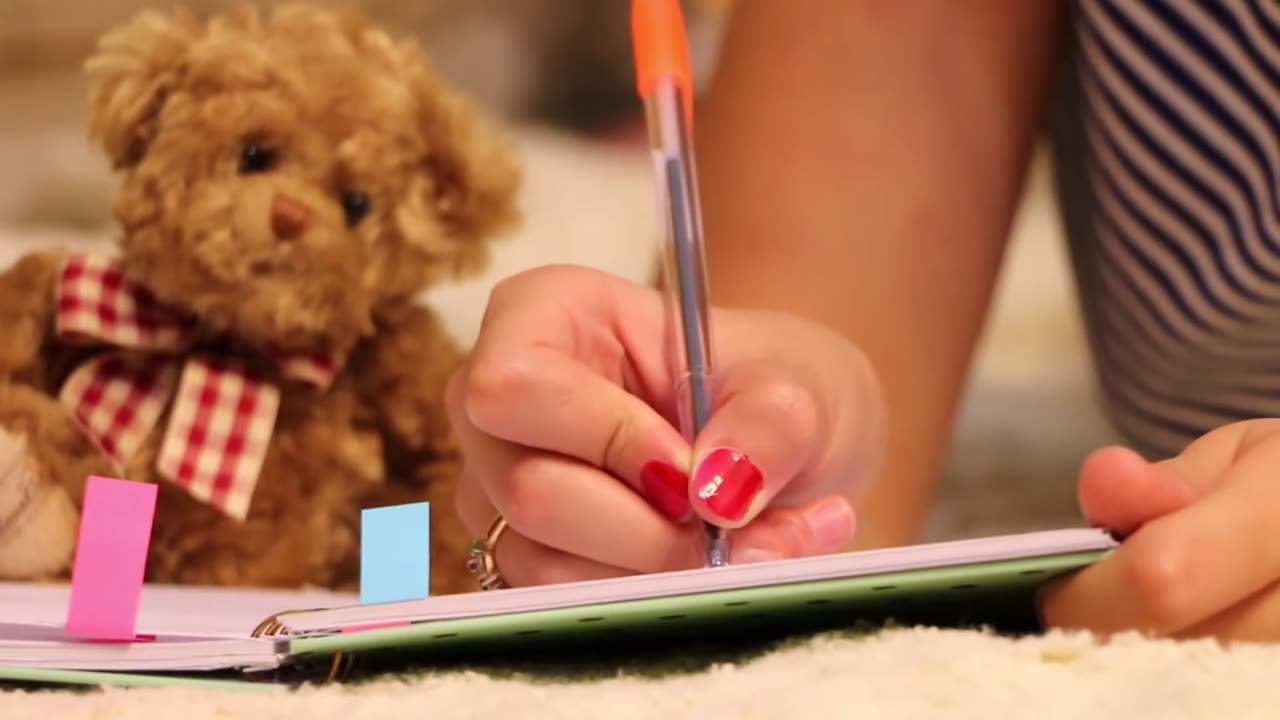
<point x="339" y="668"/>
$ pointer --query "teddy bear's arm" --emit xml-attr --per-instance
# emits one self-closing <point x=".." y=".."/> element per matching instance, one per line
<point x="45" y="457"/>
<point x="402" y="377"/>
<point x="27" y="307"/>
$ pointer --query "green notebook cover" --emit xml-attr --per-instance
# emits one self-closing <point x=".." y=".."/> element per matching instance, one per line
<point x="986" y="582"/>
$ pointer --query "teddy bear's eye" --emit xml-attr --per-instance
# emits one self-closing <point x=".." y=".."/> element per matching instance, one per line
<point x="255" y="158"/>
<point x="356" y="205"/>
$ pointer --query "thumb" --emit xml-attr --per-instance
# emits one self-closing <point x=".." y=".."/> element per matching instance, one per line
<point x="754" y="445"/>
<point x="1121" y="491"/>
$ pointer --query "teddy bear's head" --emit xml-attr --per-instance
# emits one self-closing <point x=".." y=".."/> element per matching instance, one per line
<point x="286" y="175"/>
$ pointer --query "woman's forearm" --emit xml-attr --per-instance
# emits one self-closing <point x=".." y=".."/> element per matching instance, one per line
<point x="860" y="164"/>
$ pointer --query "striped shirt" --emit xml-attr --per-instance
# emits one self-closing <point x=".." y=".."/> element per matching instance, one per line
<point x="1166" y="138"/>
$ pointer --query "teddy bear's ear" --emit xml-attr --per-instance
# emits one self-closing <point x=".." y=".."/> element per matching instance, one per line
<point x="475" y="174"/>
<point x="133" y="69"/>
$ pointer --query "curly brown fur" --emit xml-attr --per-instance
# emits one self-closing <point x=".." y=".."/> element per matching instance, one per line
<point x="368" y="181"/>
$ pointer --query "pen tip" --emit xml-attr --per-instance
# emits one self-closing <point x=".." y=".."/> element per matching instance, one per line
<point x="718" y="552"/>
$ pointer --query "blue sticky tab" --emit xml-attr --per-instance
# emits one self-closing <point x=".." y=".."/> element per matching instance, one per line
<point x="395" y="553"/>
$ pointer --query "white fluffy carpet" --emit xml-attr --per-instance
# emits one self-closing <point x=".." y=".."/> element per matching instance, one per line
<point x="900" y="674"/>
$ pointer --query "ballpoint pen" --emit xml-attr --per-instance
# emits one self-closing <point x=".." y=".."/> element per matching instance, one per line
<point x="664" y="81"/>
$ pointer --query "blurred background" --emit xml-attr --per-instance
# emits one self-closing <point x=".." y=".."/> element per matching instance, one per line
<point x="559" y="73"/>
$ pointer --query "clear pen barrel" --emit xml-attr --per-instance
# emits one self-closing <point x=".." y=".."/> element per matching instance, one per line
<point x="684" y="272"/>
<point x="683" y="262"/>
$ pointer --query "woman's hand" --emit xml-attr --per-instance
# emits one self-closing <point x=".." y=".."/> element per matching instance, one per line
<point x="1201" y="549"/>
<point x="566" y="416"/>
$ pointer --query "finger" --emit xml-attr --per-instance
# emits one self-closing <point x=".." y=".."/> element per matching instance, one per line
<point x="1203" y="464"/>
<point x="1119" y="490"/>
<point x="606" y="321"/>
<point x="1183" y="568"/>
<point x="541" y="398"/>
<point x="821" y="526"/>
<point x="578" y="509"/>
<point x="521" y="561"/>
<point x="661" y="483"/>
<point x="761" y="436"/>
<point x="575" y="508"/>
<point x="1255" y="619"/>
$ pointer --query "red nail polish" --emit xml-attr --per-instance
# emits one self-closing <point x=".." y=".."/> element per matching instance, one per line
<point x="727" y="483"/>
<point x="667" y="489"/>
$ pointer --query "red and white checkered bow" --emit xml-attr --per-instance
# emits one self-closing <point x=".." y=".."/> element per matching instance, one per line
<point x="223" y="410"/>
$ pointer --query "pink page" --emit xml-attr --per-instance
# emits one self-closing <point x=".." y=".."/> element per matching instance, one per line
<point x="111" y="555"/>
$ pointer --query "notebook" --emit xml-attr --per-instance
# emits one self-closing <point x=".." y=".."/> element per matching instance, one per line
<point x="233" y="635"/>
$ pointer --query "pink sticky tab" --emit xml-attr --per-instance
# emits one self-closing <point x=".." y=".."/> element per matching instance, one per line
<point x="111" y="556"/>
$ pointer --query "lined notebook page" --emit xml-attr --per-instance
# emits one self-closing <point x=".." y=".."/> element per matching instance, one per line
<point x="169" y="610"/>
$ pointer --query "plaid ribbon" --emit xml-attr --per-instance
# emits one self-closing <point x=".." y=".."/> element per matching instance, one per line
<point x="223" y="411"/>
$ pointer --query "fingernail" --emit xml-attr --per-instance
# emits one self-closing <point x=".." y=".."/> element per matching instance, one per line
<point x="727" y="483"/>
<point x="746" y="556"/>
<point x="832" y="523"/>
<point x="667" y="488"/>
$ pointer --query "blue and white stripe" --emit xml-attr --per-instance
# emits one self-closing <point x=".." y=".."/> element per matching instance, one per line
<point x="1181" y="127"/>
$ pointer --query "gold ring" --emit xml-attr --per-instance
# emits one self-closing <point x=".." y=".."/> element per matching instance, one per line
<point x="483" y="562"/>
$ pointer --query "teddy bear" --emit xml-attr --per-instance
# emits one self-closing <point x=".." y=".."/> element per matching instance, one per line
<point x="290" y="182"/>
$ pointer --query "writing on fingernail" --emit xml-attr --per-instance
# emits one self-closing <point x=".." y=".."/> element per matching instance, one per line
<point x="710" y="488"/>
<point x="727" y="483"/>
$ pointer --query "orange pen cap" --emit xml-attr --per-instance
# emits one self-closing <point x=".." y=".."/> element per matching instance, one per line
<point x="661" y="46"/>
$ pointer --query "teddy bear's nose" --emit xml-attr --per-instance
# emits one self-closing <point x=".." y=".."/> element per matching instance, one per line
<point x="289" y="216"/>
